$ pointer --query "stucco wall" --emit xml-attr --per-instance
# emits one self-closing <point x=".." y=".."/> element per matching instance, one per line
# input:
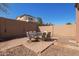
<point x="64" y="30"/>
<point x="10" y="27"/>
<point x="18" y="28"/>
<point x="47" y="28"/>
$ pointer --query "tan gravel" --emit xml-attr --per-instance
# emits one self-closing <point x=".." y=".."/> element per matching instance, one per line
<point x="53" y="50"/>
<point x="57" y="50"/>
<point x="18" y="51"/>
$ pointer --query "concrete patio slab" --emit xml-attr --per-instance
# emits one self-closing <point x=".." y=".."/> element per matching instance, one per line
<point x="37" y="47"/>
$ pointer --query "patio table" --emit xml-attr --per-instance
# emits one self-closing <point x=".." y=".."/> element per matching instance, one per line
<point x="35" y="35"/>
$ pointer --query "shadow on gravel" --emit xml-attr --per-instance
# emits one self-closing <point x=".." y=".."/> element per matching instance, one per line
<point x="50" y="40"/>
<point x="3" y="39"/>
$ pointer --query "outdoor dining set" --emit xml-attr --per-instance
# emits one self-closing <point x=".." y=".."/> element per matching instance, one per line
<point x="44" y="36"/>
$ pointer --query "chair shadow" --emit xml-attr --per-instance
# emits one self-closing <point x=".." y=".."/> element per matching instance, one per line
<point x="50" y="40"/>
<point x="35" y="41"/>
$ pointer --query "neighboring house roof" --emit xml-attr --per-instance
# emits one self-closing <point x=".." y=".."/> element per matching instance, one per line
<point x="26" y="15"/>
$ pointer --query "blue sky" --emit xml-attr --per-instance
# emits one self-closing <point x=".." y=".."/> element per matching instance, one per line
<point x="55" y="13"/>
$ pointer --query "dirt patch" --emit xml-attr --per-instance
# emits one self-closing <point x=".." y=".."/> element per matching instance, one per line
<point x="18" y="51"/>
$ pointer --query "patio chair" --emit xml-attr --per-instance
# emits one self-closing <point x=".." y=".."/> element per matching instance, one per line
<point x="29" y="35"/>
<point x="39" y="34"/>
<point x="48" y="36"/>
<point x="36" y="36"/>
<point x="44" y="36"/>
<point x="33" y="35"/>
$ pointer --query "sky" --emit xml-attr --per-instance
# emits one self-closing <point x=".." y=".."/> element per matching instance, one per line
<point x="55" y="13"/>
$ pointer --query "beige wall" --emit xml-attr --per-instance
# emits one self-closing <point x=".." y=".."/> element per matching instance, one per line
<point x="15" y="27"/>
<point x="64" y="30"/>
<point x="47" y="28"/>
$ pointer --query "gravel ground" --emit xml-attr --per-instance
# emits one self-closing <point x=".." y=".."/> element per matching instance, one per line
<point x="60" y="51"/>
<point x="18" y="51"/>
<point x="53" y="50"/>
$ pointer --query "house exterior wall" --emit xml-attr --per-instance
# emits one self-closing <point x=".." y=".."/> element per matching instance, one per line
<point x="77" y="25"/>
<point x="10" y="28"/>
<point x="26" y="18"/>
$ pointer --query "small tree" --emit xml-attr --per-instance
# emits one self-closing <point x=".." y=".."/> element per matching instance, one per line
<point x="48" y="24"/>
<point x="40" y="22"/>
<point x="69" y="23"/>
